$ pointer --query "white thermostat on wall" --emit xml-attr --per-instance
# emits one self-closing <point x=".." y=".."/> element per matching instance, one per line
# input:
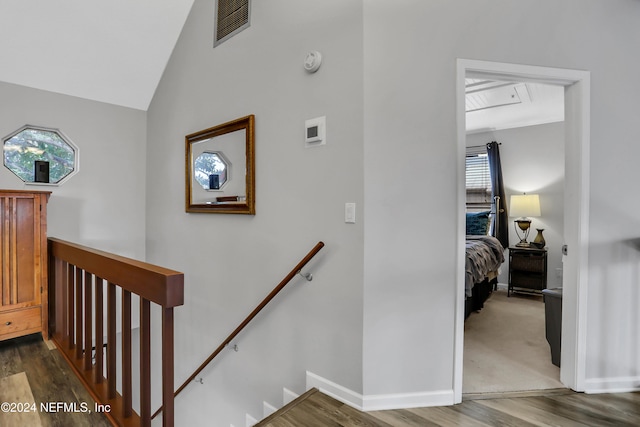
<point x="315" y="131"/>
<point x="312" y="61"/>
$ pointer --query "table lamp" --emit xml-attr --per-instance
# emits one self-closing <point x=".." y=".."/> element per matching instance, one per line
<point x="523" y="206"/>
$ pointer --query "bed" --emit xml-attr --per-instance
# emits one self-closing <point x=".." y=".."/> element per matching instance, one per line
<point x="483" y="257"/>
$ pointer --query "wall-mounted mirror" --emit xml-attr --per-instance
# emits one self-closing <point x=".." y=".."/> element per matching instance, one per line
<point x="220" y="171"/>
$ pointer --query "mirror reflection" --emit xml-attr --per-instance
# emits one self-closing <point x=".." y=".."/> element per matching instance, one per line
<point x="219" y="160"/>
<point x="211" y="170"/>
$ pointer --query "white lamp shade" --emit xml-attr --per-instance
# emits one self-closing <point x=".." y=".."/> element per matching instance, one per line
<point x="524" y="205"/>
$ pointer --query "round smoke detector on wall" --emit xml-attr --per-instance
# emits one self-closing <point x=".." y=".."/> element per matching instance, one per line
<point x="312" y="61"/>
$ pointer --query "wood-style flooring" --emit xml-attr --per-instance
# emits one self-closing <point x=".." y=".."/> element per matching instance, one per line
<point x="555" y="408"/>
<point x="32" y="373"/>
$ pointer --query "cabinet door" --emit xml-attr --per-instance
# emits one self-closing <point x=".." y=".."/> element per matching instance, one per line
<point x="20" y="258"/>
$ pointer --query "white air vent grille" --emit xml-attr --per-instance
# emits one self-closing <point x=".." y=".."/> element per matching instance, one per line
<point x="232" y="16"/>
<point x="483" y="94"/>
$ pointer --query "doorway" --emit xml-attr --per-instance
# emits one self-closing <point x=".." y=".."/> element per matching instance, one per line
<point x="505" y="346"/>
<point x="576" y="88"/>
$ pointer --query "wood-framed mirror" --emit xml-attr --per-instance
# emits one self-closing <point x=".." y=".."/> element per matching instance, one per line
<point x="220" y="168"/>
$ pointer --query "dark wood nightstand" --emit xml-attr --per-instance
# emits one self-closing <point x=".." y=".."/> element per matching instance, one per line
<point x="527" y="269"/>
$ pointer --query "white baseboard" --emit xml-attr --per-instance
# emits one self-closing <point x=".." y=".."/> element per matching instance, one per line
<point x="612" y="385"/>
<point x="381" y="401"/>
<point x="409" y="400"/>
<point x="336" y="391"/>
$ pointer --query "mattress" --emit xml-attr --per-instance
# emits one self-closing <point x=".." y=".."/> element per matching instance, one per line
<point x="484" y="256"/>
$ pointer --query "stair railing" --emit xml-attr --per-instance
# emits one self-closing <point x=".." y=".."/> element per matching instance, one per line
<point x="296" y="270"/>
<point x="77" y="275"/>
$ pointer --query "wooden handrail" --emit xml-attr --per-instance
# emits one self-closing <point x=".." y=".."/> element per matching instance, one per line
<point x="78" y="275"/>
<point x="249" y="318"/>
<point x="157" y="284"/>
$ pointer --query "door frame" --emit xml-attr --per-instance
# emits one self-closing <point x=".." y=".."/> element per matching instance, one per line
<point x="577" y="142"/>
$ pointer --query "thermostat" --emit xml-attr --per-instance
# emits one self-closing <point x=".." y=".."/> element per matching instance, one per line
<point x="315" y="132"/>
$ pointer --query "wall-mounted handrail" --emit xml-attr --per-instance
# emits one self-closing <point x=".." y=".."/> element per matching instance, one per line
<point x="77" y="284"/>
<point x="249" y="318"/>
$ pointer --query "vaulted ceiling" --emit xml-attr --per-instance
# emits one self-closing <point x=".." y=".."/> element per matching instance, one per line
<point x="116" y="51"/>
<point x="111" y="51"/>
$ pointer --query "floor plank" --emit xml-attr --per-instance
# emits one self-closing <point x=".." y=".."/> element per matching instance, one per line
<point x="10" y="362"/>
<point x="440" y="416"/>
<point x="15" y="390"/>
<point x="490" y="416"/>
<point x="523" y="409"/>
<point x="601" y="410"/>
<point x="50" y="381"/>
<point x="566" y="409"/>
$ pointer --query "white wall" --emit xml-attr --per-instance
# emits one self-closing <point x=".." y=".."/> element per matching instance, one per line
<point x="103" y="204"/>
<point x="533" y="162"/>
<point x="411" y="49"/>
<point x="231" y="262"/>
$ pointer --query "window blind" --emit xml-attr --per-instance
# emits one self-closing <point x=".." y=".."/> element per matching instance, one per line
<point x="478" y="179"/>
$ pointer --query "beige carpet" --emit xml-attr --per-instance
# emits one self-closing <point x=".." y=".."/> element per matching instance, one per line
<point x="505" y="348"/>
<point x="18" y="405"/>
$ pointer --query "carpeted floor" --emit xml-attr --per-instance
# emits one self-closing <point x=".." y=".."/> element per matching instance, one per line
<point x="505" y="348"/>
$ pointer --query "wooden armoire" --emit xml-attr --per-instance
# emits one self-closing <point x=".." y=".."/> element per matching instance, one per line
<point x="23" y="259"/>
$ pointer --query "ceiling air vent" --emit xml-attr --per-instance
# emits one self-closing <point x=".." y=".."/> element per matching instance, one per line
<point x="483" y="94"/>
<point x="232" y="16"/>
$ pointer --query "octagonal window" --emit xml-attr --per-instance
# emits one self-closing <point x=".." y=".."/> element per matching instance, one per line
<point x="211" y="170"/>
<point x="40" y="155"/>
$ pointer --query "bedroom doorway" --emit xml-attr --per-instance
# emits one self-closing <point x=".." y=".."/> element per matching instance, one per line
<point x="576" y="143"/>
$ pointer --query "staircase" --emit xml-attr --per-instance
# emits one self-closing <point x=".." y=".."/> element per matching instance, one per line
<point x="272" y="418"/>
<point x="316" y="409"/>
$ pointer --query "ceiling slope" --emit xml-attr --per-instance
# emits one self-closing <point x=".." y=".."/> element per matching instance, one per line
<point x="109" y="51"/>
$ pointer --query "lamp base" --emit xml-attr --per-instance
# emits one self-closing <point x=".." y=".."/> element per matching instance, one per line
<point x="523" y="224"/>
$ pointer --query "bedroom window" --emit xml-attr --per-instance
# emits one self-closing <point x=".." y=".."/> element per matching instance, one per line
<point x="478" y="179"/>
<point x="40" y="155"/>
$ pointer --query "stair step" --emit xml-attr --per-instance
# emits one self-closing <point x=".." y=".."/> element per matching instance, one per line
<point x="267" y="409"/>
<point x="316" y="409"/>
<point x="250" y="421"/>
<point x="288" y="396"/>
<point x="289" y="406"/>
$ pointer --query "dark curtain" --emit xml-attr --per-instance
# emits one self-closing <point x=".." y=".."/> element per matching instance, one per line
<point x="501" y="231"/>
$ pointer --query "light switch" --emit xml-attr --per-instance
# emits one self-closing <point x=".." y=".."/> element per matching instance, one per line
<point x="350" y="213"/>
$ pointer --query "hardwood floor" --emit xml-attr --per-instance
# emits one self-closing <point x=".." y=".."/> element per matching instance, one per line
<point x="30" y="370"/>
<point x="554" y="408"/>
<point x="35" y="375"/>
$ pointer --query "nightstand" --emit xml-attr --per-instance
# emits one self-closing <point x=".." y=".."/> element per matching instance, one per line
<point x="527" y="269"/>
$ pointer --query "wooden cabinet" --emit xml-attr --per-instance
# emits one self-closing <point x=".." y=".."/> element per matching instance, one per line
<point x="527" y="269"/>
<point x="23" y="262"/>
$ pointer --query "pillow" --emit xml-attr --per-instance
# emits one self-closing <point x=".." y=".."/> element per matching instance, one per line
<point x="478" y="223"/>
